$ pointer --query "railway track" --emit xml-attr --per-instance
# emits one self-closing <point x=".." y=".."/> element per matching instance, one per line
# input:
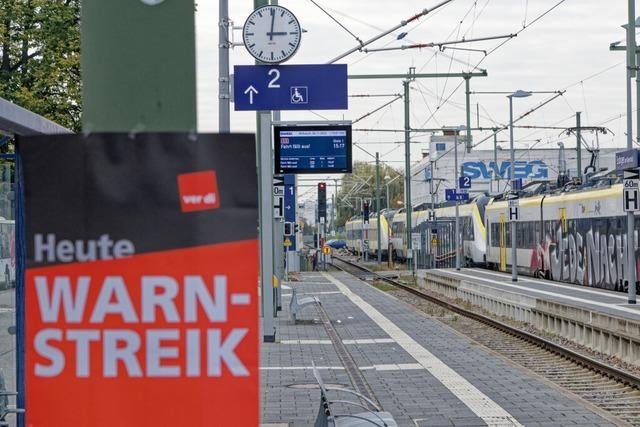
<point x="615" y="391"/>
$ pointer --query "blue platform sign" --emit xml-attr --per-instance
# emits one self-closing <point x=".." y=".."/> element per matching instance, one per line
<point x="451" y="195"/>
<point x="290" y="87"/>
<point x="628" y="159"/>
<point x="290" y="204"/>
<point x="464" y="182"/>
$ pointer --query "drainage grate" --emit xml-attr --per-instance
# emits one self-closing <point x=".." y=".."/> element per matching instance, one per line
<point x="356" y="378"/>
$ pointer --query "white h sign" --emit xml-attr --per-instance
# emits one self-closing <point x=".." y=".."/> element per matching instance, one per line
<point x="278" y="197"/>
<point x="513" y="213"/>
<point x="631" y="192"/>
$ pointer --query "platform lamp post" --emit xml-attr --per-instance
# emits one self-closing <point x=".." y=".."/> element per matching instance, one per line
<point x="458" y="245"/>
<point x="514" y="256"/>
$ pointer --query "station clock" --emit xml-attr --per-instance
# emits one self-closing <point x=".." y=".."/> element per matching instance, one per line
<point x="272" y="34"/>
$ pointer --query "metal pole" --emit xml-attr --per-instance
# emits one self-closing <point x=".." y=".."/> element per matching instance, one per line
<point x="514" y="256"/>
<point x="286" y="263"/>
<point x="433" y="213"/>
<point x="378" y="206"/>
<point x="455" y="156"/>
<point x="278" y="262"/>
<point x="223" y="68"/>
<point x="579" y="145"/>
<point x="495" y="158"/>
<point x="631" y="56"/>
<point x="387" y="184"/>
<point x="324" y="234"/>
<point x="637" y="98"/>
<point x="365" y="230"/>
<point x="265" y="183"/>
<point x="333" y="216"/>
<point x="407" y="171"/>
<point x="266" y="225"/>
<point x="278" y="239"/>
<point x="335" y="183"/>
<point x="468" y="110"/>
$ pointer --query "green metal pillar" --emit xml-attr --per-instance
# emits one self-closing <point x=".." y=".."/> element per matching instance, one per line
<point x="407" y="171"/>
<point x="138" y="65"/>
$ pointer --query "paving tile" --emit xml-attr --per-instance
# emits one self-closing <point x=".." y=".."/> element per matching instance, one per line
<point x="414" y="397"/>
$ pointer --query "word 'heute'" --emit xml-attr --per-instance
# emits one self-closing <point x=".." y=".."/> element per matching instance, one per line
<point x="104" y="248"/>
<point x="168" y="352"/>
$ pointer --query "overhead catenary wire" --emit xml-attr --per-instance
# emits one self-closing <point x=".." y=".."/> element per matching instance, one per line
<point x="384" y="33"/>
<point x="337" y="22"/>
<point x="437" y="44"/>
<point x="546" y="12"/>
<point x="386" y="104"/>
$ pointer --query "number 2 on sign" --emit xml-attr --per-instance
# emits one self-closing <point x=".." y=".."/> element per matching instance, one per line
<point x="272" y="84"/>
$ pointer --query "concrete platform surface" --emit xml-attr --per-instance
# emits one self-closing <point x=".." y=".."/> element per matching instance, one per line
<point x="422" y="372"/>
<point x="595" y="299"/>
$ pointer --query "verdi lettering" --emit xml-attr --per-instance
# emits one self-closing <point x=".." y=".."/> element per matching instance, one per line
<point x="49" y="249"/>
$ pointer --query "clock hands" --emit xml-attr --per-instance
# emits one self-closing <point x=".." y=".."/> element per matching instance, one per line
<point x="273" y="19"/>
<point x="274" y="33"/>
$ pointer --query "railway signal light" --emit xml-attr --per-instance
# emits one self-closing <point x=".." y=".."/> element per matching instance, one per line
<point x="322" y="200"/>
<point x="289" y="229"/>
<point x="365" y="211"/>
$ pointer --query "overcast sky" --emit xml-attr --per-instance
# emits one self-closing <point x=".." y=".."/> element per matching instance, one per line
<point x="568" y="48"/>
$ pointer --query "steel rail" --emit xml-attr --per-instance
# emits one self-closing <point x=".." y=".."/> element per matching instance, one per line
<point x="585" y="361"/>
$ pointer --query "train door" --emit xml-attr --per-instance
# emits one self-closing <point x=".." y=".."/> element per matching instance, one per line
<point x="503" y="242"/>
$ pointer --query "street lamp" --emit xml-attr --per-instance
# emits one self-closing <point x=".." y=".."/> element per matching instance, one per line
<point x="514" y="256"/>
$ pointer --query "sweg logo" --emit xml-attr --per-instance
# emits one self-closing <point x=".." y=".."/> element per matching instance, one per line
<point x="198" y="191"/>
<point x="535" y="169"/>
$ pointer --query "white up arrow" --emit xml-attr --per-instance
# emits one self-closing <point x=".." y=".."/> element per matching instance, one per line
<point x="251" y="90"/>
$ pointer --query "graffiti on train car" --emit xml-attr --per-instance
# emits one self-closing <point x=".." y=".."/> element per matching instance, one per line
<point x="587" y="252"/>
<point x="535" y="169"/>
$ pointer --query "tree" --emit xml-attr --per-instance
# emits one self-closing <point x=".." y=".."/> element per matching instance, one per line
<point x="361" y="183"/>
<point x="40" y="57"/>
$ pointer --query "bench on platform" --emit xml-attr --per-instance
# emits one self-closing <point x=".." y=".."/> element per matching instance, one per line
<point x="328" y="417"/>
<point x="5" y="408"/>
<point x="297" y="304"/>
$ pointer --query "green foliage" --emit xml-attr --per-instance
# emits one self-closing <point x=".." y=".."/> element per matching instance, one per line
<point x="364" y="176"/>
<point x="40" y="57"/>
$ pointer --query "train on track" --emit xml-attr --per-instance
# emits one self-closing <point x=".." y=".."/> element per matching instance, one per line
<point x="570" y="233"/>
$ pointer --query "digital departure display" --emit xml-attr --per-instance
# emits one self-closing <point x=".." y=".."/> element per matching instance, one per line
<point x="312" y="149"/>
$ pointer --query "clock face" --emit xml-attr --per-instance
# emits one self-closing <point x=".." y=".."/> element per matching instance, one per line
<point x="271" y="34"/>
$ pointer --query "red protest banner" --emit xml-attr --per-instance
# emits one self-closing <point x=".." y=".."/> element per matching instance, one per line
<point x="141" y="312"/>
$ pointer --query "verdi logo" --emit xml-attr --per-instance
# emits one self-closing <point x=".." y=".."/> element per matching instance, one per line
<point x="198" y="191"/>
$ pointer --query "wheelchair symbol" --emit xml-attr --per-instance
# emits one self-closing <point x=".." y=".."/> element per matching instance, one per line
<point x="299" y="95"/>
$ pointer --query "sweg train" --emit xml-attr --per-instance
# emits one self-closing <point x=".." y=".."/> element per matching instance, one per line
<point x="576" y="235"/>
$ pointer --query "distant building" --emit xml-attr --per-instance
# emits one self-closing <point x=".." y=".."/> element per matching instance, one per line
<point x="489" y="171"/>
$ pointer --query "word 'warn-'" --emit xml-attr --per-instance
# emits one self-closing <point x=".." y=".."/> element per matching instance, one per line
<point x="84" y="324"/>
